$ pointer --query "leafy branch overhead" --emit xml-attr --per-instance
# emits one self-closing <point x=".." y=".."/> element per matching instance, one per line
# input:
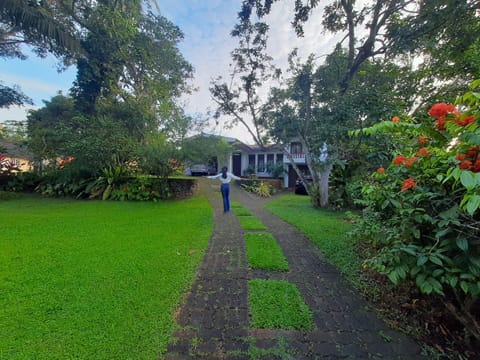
<point x="388" y="28"/>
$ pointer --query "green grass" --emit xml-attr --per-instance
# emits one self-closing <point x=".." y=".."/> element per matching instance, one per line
<point x="327" y="229"/>
<point x="95" y="280"/>
<point x="251" y="223"/>
<point x="241" y="211"/>
<point x="277" y="305"/>
<point x="264" y="253"/>
<point x="236" y="204"/>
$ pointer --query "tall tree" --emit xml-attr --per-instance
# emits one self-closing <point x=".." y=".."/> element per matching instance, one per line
<point x="375" y="31"/>
<point x="241" y="98"/>
<point x="309" y="109"/>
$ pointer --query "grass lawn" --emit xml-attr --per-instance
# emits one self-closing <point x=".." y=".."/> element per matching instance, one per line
<point x="263" y="252"/>
<point x="95" y="280"/>
<point x="251" y="223"/>
<point x="277" y="305"/>
<point x="327" y="229"/>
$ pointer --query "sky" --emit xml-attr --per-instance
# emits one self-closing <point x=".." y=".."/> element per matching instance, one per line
<point x="207" y="45"/>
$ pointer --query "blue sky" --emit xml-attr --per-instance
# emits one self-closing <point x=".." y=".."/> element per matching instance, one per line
<point x="207" y="46"/>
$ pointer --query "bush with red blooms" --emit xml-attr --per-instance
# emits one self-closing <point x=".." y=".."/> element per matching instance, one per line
<point x="422" y="211"/>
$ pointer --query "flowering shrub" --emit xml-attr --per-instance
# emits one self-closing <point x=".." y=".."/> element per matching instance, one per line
<point x="138" y="189"/>
<point x="422" y="211"/>
<point x="7" y="166"/>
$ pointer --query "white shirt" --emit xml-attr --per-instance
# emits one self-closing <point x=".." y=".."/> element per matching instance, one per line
<point x="229" y="177"/>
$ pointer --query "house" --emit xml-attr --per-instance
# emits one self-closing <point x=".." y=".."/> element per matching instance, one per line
<point x="14" y="154"/>
<point x="264" y="162"/>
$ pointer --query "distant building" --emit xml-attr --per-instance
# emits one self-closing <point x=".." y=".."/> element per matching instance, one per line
<point x="264" y="162"/>
<point x="17" y="154"/>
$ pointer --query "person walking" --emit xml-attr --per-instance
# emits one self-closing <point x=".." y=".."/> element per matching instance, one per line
<point x="225" y="177"/>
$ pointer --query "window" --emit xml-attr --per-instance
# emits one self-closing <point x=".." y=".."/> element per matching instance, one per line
<point x="251" y="160"/>
<point x="296" y="148"/>
<point x="261" y="163"/>
<point x="279" y="158"/>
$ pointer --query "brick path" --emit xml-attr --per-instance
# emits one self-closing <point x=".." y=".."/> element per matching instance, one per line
<point x="215" y="321"/>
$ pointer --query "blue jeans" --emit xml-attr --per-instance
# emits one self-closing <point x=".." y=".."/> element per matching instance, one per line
<point x="225" y="189"/>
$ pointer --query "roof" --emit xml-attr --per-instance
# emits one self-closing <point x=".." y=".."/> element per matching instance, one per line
<point x="15" y="149"/>
<point x="239" y="145"/>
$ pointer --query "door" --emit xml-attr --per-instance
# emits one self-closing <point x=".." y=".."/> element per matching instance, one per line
<point x="237" y="164"/>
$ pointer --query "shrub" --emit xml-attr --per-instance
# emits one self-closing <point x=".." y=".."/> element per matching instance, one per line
<point x="422" y="210"/>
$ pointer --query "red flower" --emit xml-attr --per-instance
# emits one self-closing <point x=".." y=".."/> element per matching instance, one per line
<point x="380" y="170"/>
<point x="408" y="184"/>
<point x="409" y="162"/>
<point x="423" y="140"/>
<point x="125" y="189"/>
<point x="423" y="152"/>
<point x="472" y="152"/>
<point x="396" y="119"/>
<point x="399" y="160"/>
<point x="440" y="123"/>
<point x="476" y="166"/>
<point x="464" y="121"/>
<point x="461" y="157"/>
<point x="465" y="164"/>
<point x="441" y="109"/>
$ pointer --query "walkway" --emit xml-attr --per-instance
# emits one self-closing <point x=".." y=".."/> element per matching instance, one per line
<point x="215" y="320"/>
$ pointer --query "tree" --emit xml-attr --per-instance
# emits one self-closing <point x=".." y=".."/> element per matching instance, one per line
<point x="49" y="129"/>
<point x="241" y="99"/>
<point x="392" y="28"/>
<point x="29" y="22"/>
<point x="310" y="109"/>
<point x="389" y="27"/>
<point x="12" y="96"/>
<point x="203" y="148"/>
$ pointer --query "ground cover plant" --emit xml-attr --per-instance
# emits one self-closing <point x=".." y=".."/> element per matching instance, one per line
<point x="263" y="252"/>
<point x="277" y="304"/>
<point x="327" y="229"/>
<point x="93" y="279"/>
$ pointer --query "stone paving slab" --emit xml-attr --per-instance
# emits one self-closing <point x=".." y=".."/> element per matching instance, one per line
<point x="214" y="319"/>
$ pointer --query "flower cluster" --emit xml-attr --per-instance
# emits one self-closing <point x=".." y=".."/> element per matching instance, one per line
<point x="423" y="152"/>
<point x="408" y="184"/>
<point x="65" y="161"/>
<point x="470" y="160"/>
<point x="402" y="160"/>
<point x="444" y="113"/>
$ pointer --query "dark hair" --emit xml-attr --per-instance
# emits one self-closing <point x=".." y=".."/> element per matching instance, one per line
<point x="224" y="172"/>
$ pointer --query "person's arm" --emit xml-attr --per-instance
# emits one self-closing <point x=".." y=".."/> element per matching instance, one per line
<point x="235" y="177"/>
<point x="214" y="176"/>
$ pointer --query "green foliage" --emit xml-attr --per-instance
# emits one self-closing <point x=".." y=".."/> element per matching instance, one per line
<point x="263" y="252"/>
<point x="6" y="195"/>
<point x="277" y="305"/>
<point x="261" y="188"/>
<point x="96" y="279"/>
<point x="19" y="182"/>
<point x="140" y="189"/>
<point x="157" y="157"/>
<point x="422" y="211"/>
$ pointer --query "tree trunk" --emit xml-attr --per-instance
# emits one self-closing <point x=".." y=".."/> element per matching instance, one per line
<point x="319" y="193"/>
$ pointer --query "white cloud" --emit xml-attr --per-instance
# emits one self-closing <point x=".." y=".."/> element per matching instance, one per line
<point x="16" y="113"/>
<point x="207" y="46"/>
<point x="28" y="85"/>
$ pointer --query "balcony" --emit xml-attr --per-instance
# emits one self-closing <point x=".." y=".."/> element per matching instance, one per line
<point x="297" y="158"/>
